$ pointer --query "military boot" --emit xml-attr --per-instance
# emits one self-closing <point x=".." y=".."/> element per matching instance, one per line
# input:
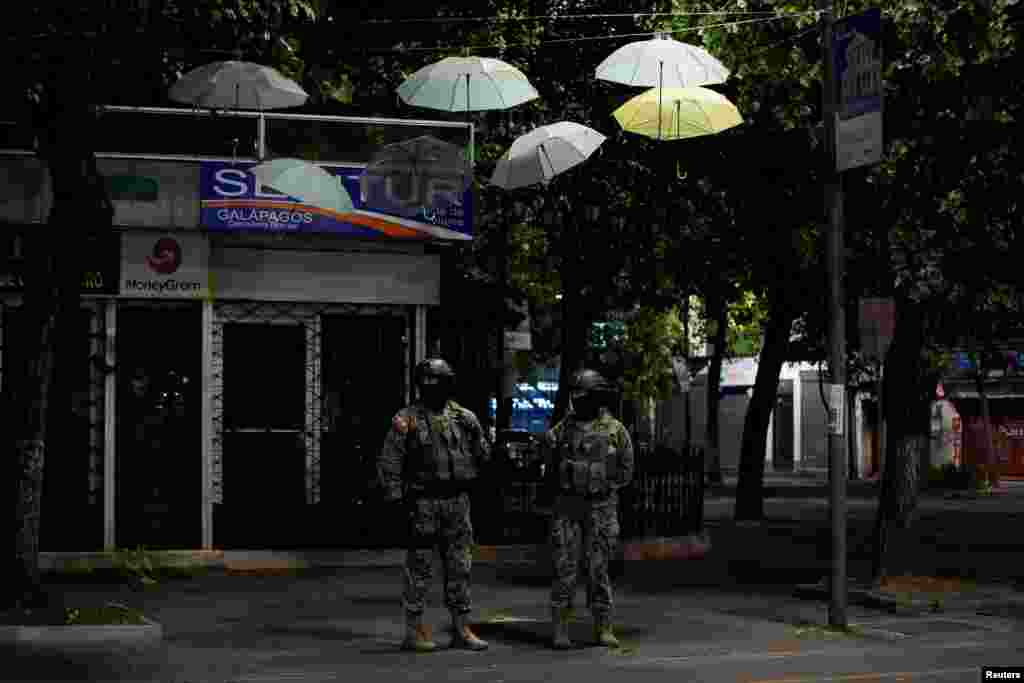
<point x="560" y="629"/>
<point x="462" y="636"/>
<point x="417" y="635"/>
<point x="603" y="631"/>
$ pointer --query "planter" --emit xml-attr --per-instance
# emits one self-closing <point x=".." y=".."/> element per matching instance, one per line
<point x="83" y="635"/>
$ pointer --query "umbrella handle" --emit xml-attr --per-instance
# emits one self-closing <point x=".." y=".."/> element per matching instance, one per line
<point x="661" y="66"/>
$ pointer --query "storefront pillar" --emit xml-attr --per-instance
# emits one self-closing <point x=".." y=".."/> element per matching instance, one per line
<point x="206" y="416"/>
<point x="109" y="427"/>
<point x="421" y="334"/>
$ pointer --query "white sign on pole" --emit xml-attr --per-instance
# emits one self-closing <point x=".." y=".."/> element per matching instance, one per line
<point x="518" y="341"/>
<point x="858" y="69"/>
<point x="836" y="395"/>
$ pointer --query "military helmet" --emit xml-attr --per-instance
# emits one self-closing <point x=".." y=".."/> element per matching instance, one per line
<point x="432" y="367"/>
<point x="587" y="381"/>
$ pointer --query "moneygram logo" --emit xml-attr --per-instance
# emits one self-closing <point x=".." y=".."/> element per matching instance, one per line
<point x="166" y="256"/>
<point x="162" y="274"/>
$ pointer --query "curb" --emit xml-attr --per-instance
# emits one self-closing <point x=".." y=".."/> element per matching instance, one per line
<point x="149" y="633"/>
<point x="271" y="561"/>
<point x="870" y="598"/>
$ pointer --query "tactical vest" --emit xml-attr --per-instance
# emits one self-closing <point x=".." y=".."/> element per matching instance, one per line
<point x="587" y="463"/>
<point x="439" y="456"/>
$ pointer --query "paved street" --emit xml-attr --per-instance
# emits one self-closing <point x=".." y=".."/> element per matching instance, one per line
<point x="338" y="624"/>
<point x="729" y="617"/>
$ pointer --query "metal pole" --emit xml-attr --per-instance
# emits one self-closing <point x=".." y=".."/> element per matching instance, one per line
<point x="881" y="420"/>
<point x="837" y="332"/>
<point x="261" y="137"/>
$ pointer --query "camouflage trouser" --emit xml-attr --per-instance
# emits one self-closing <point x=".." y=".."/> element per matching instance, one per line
<point x="596" y="529"/>
<point x="443" y="523"/>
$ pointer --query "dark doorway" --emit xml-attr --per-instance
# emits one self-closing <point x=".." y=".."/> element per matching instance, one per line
<point x="364" y="386"/>
<point x="782" y="430"/>
<point x="69" y="521"/>
<point x="264" y="451"/>
<point x="159" y="447"/>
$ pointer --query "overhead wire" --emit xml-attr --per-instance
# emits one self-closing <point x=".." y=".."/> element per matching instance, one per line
<point x="612" y="36"/>
<point x="610" y="15"/>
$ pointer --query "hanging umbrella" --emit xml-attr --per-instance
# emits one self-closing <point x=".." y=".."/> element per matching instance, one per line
<point x="238" y="85"/>
<point x="663" y="62"/>
<point x="677" y="113"/>
<point x="467" y="84"/>
<point x="306" y="182"/>
<point x="412" y="168"/>
<point x="545" y="152"/>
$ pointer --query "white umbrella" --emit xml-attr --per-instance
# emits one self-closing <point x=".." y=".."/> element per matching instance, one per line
<point x="239" y="85"/>
<point x="467" y="84"/>
<point x="545" y="152"/>
<point x="662" y="62"/>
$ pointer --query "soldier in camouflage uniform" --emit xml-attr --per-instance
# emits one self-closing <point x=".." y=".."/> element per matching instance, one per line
<point x="588" y="456"/>
<point x="430" y="459"/>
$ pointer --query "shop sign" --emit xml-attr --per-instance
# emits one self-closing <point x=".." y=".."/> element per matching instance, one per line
<point x="165" y="266"/>
<point x="231" y="199"/>
<point x="1012" y="430"/>
<point x="99" y="276"/>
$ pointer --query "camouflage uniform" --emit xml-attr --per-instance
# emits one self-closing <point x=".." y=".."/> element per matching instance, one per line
<point x="586" y="462"/>
<point x="431" y="461"/>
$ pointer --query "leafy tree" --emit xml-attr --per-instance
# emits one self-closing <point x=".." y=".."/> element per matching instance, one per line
<point x="66" y="61"/>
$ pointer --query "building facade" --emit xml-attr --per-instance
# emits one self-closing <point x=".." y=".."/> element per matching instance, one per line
<point x="239" y="356"/>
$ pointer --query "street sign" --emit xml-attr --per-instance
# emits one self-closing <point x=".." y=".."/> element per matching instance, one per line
<point x="857" y="51"/>
<point x="877" y="325"/>
<point x="518" y="341"/>
<point x="836" y="394"/>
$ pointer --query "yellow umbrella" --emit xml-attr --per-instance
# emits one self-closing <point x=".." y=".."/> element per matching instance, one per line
<point x="678" y="113"/>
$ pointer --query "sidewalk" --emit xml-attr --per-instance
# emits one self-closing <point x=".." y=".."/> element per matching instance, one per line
<point x="321" y="625"/>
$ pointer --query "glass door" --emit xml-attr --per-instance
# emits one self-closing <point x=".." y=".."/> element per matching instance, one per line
<point x="264" y="453"/>
<point x="364" y="386"/>
<point x="159" y="450"/>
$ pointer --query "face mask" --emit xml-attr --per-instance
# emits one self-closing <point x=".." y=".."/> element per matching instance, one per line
<point x="434" y="393"/>
<point x="584" y="406"/>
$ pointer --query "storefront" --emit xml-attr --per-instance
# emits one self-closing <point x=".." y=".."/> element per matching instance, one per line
<point x="257" y="349"/>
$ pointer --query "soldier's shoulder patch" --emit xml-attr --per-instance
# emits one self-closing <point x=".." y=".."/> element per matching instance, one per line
<point x="403" y="423"/>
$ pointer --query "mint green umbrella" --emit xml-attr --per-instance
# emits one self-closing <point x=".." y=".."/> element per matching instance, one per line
<point x="467" y="84"/>
<point x="306" y="182"/>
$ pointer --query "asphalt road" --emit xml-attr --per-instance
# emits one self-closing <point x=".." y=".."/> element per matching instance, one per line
<point x="345" y="625"/>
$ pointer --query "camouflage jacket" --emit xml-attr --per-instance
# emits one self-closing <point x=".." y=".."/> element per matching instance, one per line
<point x="591" y="459"/>
<point x="422" y="448"/>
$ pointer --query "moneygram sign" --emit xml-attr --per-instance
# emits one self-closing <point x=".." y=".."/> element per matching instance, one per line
<point x="408" y="207"/>
<point x="165" y="266"/>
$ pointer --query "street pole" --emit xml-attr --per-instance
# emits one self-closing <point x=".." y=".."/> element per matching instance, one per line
<point x="837" y="333"/>
<point x="503" y="398"/>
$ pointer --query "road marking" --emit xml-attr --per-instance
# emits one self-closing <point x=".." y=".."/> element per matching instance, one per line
<point x="896" y="675"/>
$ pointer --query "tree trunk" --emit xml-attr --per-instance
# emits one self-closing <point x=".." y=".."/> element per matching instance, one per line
<point x="750" y="487"/>
<point x="907" y="415"/>
<point x="53" y="277"/>
<point x="687" y="418"/>
<point x="717" y="312"/>
<point x="986" y="456"/>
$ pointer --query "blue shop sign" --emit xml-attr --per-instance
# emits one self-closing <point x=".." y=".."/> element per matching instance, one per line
<point x="231" y="199"/>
